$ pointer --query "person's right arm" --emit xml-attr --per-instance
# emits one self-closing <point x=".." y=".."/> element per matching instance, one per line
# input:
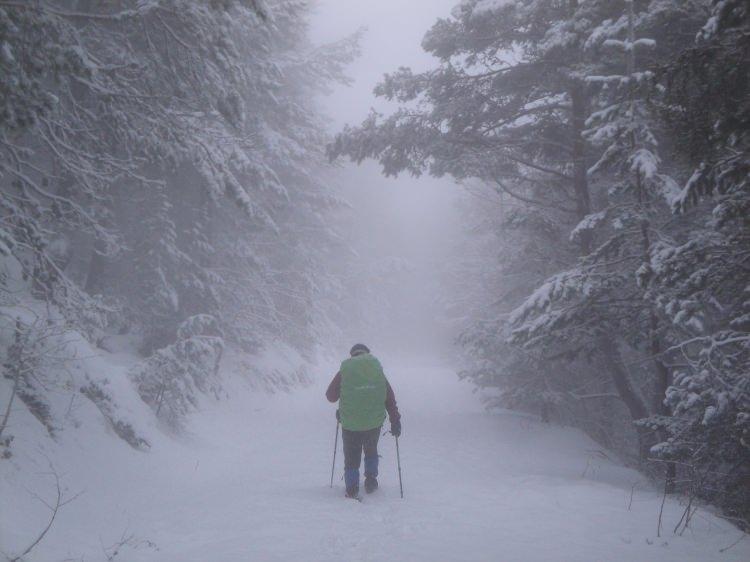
<point x="393" y="414"/>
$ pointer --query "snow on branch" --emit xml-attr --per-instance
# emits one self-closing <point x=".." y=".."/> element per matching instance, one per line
<point x="628" y="46"/>
<point x="556" y="288"/>
<point x="587" y="224"/>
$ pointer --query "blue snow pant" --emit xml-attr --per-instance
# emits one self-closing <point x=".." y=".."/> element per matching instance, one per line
<point x="354" y="443"/>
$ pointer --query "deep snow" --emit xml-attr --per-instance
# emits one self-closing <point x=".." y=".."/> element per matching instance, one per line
<point x="251" y="484"/>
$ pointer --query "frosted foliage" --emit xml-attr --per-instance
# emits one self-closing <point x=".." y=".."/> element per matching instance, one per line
<point x="172" y="379"/>
<point x="608" y="154"/>
<point x="183" y="260"/>
<point x="161" y="167"/>
<point x="483" y="6"/>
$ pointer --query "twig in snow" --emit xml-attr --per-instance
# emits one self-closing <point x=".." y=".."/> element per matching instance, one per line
<point x="735" y="543"/>
<point x="687" y="514"/>
<point x="682" y="518"/>
<point x="59" y="502"/>
<point x="126" y="540"/>
<point x="661" y="509"/>
<point x="687" y="520"/>
<point x="632" y="491"/>
<point x="112" y="551"/>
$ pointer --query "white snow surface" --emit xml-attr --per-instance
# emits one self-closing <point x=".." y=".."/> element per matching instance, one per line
<point x="251" y="483"/>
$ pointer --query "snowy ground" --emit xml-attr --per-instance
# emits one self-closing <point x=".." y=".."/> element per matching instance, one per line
<point x="251" y="484"/>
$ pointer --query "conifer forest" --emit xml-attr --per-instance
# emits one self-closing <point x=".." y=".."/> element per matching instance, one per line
<point x="536" y="213"/>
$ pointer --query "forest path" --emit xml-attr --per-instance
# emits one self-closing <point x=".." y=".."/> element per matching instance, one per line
<point x="477" y="486"/>
<point x="251" y="485"/>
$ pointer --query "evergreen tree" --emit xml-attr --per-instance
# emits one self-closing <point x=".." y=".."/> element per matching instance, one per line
<point x="703" y="279"/>
<point x="161" y="162"/>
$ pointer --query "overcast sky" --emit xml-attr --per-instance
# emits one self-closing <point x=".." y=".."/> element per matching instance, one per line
<point x="406" y="218"/>
<point x="394" y="35"/>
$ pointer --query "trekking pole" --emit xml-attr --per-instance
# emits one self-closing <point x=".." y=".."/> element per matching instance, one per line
<point x="398" y="460"/>
<point x="335" y="446"/>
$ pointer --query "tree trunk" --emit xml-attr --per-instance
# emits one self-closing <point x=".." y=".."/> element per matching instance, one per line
<point x="663" y="375"/>
<point x="633" y="401"/>
<point x="635" y="404"/>
<point x="580" y="167"/>
<point x="95" y="278"/>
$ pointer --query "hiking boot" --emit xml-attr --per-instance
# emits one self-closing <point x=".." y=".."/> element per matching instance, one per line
<point x="371" y="484"/>
<point x="352" y="492"/>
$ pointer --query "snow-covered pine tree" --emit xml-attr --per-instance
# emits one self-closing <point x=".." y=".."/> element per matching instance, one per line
<point x="703" y="280"/>
<point x="607" y="293"/>
<point x="508" y="105"/>
<point x="639" y="192"/>
<point x="505" y="106"/>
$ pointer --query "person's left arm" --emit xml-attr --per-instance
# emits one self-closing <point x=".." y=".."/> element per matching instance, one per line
<point x="334" y="389"/>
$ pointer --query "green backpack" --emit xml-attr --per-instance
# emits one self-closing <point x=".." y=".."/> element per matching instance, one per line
<point x="363" y="391"/>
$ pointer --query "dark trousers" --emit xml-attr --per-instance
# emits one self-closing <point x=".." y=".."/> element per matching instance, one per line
<point x="355" y="442"/>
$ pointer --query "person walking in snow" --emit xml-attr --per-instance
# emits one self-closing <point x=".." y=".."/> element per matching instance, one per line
<point x="364" y="396"/>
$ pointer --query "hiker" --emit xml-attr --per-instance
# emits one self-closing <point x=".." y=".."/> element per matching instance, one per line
<point x="364" y="395"/>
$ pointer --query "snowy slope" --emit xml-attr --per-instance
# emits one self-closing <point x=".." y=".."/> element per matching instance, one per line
<point x="251" y="484"/>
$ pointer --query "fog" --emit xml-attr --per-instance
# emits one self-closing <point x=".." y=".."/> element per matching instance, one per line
<point x="412" y="221"/>
<point x="553" y="320"/>
<point x="393" y="33"/>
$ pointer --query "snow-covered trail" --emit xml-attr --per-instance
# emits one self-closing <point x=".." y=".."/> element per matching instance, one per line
<point x="253" y="486"/>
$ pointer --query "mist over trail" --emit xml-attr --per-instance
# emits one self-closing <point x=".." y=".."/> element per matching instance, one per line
<point x="568" y="345"/>
<point x="404" y="228"/>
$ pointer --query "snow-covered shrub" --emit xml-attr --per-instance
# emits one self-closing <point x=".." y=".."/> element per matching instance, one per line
<point x="108" y="408"/>
<point x="172" y="378"/>
<point x="29" y="349"/>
